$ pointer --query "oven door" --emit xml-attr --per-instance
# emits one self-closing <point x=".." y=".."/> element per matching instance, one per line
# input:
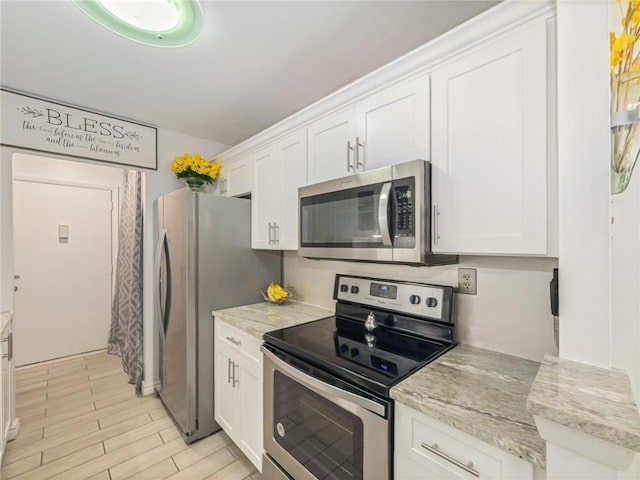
<point x="314" y="430"/>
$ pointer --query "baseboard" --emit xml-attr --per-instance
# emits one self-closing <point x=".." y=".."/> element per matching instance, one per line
<point x="149" y="388"/>
<point x="13" y="430"/>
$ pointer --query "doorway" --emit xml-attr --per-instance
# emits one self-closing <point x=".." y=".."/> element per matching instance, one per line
<point x="65" y="240"/>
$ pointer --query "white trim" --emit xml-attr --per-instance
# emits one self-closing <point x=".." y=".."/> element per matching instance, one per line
<point x="149" y="388"/>
<point x="510" y="15"/>
<point x="64" y="182"/>
<point x="13" y="430"/>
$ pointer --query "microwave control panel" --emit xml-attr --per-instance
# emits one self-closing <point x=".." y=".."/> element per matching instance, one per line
<point x="405" y="207"/>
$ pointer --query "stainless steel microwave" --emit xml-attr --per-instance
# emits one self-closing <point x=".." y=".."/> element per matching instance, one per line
<point x="382" y="215"/>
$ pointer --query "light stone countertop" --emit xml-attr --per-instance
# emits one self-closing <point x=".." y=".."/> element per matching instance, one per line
<point x="260" y="318"/>
<point x="593" y="400"/>
<point x="5" y="318"/>
<point x="482" y="393"/>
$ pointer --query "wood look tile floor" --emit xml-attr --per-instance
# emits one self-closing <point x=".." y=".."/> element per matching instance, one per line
<point x="80" y="419"/>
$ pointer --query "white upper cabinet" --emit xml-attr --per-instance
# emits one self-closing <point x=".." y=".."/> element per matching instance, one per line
<point x="331" y="150"/>
<point x="388" y="127"/>
<point x="393" y="125"/>
<point x="280" y="169"/>
<point x="236" y="177"/>
<point x="264" y="199"/>
<point x="489" y="147"/>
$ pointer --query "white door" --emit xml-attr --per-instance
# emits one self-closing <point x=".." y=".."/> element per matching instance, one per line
<point x="292" y="174"/>
<point x="393" y="125"/>
<point x="331" y="147"/>
<point x="63" y="302"/>
<point x="489" y="148"/>
<point x="265" y="199"/>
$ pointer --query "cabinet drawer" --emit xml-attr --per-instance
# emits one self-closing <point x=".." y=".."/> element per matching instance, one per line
<point x="445" y="452"/>
<point x="247" y="346"/>
<point x="452" y="454"/>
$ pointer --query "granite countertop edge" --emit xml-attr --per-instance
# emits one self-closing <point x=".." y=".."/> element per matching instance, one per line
<point x="594" y="400"/>
<point x="511" y="430"/>
<point x="256" y="319"/>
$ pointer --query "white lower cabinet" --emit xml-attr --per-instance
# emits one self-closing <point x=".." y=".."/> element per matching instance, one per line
<point x="428" y="449"/>
<point x="238" y="389"/>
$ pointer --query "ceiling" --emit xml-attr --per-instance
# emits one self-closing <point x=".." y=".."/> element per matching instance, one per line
<point x="255" y="63"/>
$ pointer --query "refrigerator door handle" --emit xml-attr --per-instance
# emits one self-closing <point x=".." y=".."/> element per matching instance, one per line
<point x="168" y="285"/>
<point x="158" y="280"/>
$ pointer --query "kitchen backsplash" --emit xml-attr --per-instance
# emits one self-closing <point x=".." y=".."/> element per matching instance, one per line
<point x="510" y="313"/>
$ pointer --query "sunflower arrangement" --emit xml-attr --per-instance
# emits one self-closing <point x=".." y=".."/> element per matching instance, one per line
<point x="194" y="169"/>
<point x="625" y="95"/>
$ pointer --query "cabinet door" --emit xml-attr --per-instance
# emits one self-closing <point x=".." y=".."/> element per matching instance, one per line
<point x="489" y="148"/>
<point x="265" y="200"/>
<point x="225" y="398"/>
<point x="331" y="146"/>
<point x="292" y="155"/>
<point x="393" y="125"/>
<point x="250" y="384"/>
<point x="236" y="178"/>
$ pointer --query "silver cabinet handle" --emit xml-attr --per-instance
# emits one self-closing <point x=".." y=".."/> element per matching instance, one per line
<point x="236" y="374"/>
<point x="436" y="221"/>
<point x="349" y="150"/>
<point x="270" y="234"/>
<point x="276" y="229"/>
<point x="234" y="341"/>
<point x="359" y="144"/>
<point x="229" y="367"/>
<point x="222" y="186"/>
<point x="468" y="467"/>
<point x="9" y="341"/>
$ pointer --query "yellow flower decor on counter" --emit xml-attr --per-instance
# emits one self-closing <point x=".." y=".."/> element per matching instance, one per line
<point x="625" y="93"/>
<point x="195" y="171"/>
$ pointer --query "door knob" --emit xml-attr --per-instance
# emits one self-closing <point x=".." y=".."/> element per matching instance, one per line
<point x="15" y="288"/>
<point x="16" y="277"/>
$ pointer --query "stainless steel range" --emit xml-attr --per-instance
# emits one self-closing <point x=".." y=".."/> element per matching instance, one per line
<point x="328" y="412"/>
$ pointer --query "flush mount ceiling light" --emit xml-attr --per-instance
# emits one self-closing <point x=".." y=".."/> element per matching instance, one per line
<point x="161" y="23"/>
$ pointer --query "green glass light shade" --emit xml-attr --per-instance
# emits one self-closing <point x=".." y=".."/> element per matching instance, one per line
<point x="185" y="29"/>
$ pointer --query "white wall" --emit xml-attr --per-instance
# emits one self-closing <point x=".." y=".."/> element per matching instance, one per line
<point x="625" y="281"/>
<point x="510" y="314"/>
<point x="583" y="169"/>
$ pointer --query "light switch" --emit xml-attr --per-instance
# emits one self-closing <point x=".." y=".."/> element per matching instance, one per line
<point x="63" y="232"/>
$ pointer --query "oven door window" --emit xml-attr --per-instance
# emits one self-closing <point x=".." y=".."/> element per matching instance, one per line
<point x="326" y="439"/>
<point x="343" y="219"/>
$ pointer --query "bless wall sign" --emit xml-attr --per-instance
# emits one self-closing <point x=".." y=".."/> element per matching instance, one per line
<point x="45" y="126"/>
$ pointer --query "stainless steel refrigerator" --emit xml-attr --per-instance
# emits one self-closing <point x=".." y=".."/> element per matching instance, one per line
<point x="204" y="262"/>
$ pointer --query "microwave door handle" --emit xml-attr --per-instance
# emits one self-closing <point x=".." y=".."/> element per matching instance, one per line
<point x="383" y="214"/>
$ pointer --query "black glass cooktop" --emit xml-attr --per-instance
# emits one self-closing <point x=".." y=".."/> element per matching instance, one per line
<point x="374" y="361"/>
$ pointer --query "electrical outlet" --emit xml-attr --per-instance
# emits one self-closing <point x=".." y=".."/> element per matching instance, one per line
<point x="467" y="281"/>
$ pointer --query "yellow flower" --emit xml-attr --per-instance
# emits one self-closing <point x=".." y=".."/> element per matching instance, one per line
<point x="195" y="166"/>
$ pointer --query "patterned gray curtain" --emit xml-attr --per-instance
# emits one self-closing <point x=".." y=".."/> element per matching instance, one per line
<point x="125" y="336"/>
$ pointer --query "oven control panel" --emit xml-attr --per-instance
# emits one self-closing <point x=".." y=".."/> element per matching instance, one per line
<point x="431" y="301"/>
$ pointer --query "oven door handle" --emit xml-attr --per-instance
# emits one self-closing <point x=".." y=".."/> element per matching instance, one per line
<point x="320" y="386"/>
